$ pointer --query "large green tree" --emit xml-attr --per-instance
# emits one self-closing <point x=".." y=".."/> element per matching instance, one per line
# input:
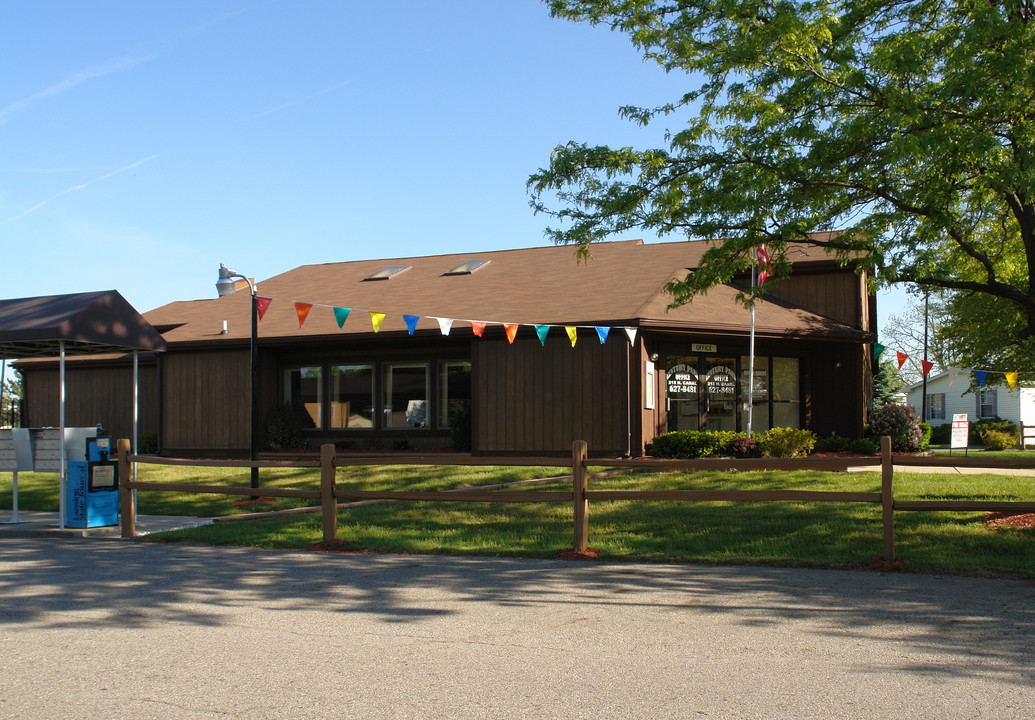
<point x="906" y="125"/>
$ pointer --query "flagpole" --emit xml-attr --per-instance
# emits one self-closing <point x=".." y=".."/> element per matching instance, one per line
<point x="751" y="358"/>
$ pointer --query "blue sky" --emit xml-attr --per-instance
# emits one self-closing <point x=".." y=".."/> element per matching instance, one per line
<point x="143" y="143"/>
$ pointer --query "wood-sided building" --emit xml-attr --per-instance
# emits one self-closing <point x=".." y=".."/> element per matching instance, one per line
<point x="394" y="386"/>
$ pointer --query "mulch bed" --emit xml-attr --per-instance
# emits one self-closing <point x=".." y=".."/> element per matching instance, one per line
<point x="334" y="546"/>
<point x="879" y="564"/>
<point x="998" y="521"/>
<point x="569" y="553"/>
<point x="253" y="502"/>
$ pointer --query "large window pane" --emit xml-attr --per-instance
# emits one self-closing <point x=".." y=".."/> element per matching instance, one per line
<point x="760" y="409"/>
<point x="786" y="393"/>
<point x="352" y="396"/>
<point x="454" y="387"/>
<point x="303" y="391"/>
<point x="406" y="395"/>
<point x="681" y="392"/>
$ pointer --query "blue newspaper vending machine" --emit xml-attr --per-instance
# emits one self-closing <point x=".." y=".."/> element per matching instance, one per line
<point x="92" y="487"/>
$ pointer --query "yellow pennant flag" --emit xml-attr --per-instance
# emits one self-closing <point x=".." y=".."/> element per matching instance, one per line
<point x="1011" y="378"/>
<point x="572" y="333"/>
<point x="376" y="319"/>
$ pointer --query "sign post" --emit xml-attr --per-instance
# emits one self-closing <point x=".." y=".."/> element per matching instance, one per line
<point x="960" y="433"/>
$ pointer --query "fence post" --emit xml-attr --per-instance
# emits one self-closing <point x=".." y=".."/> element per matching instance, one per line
<point x="580" y="481"/>
<point x="327" y="499"/>
<point x="127" y="498"/>
<point x="887" y="498"/>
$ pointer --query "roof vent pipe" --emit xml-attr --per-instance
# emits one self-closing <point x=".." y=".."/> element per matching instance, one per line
<point x="224" y="331"/>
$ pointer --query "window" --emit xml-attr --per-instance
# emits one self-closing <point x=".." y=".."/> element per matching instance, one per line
<point x="454" y="386"/>
<point x="352" y="396"/>
<point x="936" y="406"/>
<point x="760" y="408"/>
<point x="786" y="393"/>
<point x="987" y="404"/>
<point x="467" y="267"/>
<point x="388" y="271"/>
<point x="303" y="391"/>
<point x="406" y="395"/>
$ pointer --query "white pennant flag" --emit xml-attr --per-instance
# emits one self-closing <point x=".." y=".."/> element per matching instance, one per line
<point x="954" y="373"/>
<point x="444" y="324"/>
<point x="631" y="332"/>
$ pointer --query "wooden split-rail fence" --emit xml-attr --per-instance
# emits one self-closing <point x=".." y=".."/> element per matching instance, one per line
<point x="580" y="494"/>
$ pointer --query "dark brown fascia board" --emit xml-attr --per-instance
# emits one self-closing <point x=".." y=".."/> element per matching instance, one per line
<point x="682" y="328"/>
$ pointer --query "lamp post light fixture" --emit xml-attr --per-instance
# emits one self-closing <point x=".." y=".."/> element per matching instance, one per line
<point x="226" y="285"/>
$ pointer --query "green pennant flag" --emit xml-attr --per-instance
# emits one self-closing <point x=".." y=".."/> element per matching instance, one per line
<point x="341" y="314"/>
<point x="541" y="331"/>
<point x="878" y="350"/>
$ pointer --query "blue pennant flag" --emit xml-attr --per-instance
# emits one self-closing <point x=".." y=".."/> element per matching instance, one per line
<point x="602" y="333"/>
<point x="411" y="322"/>
<point x="981" y="376"/>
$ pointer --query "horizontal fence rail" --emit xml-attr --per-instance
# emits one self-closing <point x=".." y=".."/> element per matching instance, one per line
<point x="580" y="494"/>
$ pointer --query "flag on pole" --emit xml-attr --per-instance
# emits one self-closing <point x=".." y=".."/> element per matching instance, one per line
<point x="926" y="365"/>
<point x="262" y="304"/>
<point x="762" y="258"/>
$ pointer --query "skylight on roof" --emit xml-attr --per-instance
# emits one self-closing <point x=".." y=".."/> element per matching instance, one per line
<point x="387" y="272"/>
<point x="467" y="267"/>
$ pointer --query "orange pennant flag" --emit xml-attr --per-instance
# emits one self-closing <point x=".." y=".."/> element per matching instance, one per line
<point x="511" y="332"/>
<point x="902" y="357"/>
<point x="303" y="311"/>
<point x="477" y="327"/>
<point x="572" y="333"/>
<point x="376" y="319"/>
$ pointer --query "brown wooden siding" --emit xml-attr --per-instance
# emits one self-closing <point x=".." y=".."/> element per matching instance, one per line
<point x="92" y="395"/>
<point x="836" y="295"/>
<point x="207" y="400"/>
<point x="533" y="399"/>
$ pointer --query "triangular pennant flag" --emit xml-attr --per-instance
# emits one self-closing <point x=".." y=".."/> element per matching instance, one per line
<point x="261" y="303"/>
<point x="303" y="311"/>
<point x="602" y="332"/>
<point x="631" y="332"/>
<point x="926" y="366"/>
<point x="376" y="319"/>
<point x="1011" y="380"/>
<point x="878" y="350"/>
<point x="762" y="256"/>
<point x="511" y="332"/>
<point x="411" y="322"/>
<point x="902" y="357"/>
<point x="573" y="333"/>
<point x="954" y="374"/>
<point x="541" y="331"/>
<point x="341" y="315"/>
<point x="477" y="327"/>
<point x="445" y="324"/>
<point x="981" y="376"/>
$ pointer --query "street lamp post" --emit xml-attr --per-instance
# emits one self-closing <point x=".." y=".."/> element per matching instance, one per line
<point x="227" y="286"/>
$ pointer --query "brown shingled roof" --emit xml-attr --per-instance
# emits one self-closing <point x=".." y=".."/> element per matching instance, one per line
<point x="622" y="285"/>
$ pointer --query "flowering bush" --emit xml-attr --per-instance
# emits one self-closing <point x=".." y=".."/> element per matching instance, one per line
<point x="998" y="440"/>
<point x="901" y="423"/>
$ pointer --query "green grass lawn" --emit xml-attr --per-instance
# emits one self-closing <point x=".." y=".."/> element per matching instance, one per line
<point x="782" y="534"/>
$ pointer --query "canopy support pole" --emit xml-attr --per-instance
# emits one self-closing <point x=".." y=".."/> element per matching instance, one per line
<point x="61" y="479"/>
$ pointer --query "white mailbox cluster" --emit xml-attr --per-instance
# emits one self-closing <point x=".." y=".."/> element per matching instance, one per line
<point x="39" y="450"/>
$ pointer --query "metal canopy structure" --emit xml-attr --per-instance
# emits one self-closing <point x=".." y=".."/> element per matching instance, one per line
<point x="85" y="323"/>
<point x="76" y="324"/>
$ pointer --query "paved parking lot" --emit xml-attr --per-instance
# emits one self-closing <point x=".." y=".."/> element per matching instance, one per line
<point x="106" y="628"/>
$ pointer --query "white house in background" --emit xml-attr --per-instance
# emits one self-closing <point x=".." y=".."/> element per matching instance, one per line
<point x="948" y="395"/>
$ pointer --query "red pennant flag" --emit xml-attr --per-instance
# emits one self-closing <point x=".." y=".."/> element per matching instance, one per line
<point x="261" y="303"/>
<point x="303" y="311"/>
<point x="477" y="327"/>
<point x="511" y="332"/>
<point x="902" y="357"/>
<point x="926" y="366"/>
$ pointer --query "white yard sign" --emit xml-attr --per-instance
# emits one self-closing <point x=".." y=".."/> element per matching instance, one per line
<point x="960" y="432"/>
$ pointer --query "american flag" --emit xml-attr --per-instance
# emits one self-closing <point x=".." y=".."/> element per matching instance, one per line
<point x="762" y="257"/>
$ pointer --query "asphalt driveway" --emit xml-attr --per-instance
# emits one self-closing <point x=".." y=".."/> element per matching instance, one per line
<point x="114" y="629"/>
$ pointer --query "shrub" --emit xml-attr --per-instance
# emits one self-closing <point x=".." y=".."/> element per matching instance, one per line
<point x="834" y="443"/>
<point x="690" y="444"/>
<point x="925" y="436"/>
<point x="901" y="423"/>
<point x="865" y="446"/>
<point x="460" y="425"/>
<point x="941" y="434"/>
<point x="996" y="423"/>
<point x="745" y="447"/>
<point x="998" y="440"/>
<point x="147" y="444"/>
<point x="282" y="432"/>
<point x="787" y="442"/>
